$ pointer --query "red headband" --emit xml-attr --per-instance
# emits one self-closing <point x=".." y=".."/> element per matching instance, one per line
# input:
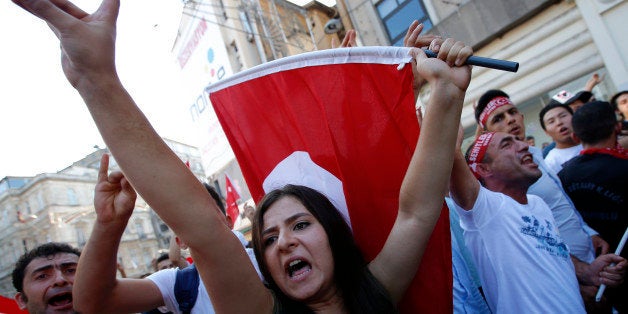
<point x="478" y="150"/>
<point x="491" y="106"/>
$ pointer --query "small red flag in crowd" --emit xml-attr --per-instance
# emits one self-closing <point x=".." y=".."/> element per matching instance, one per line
<point x="232" y="197"/>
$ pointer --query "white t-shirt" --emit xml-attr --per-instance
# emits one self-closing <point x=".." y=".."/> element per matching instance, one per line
<point x="523" y="263"/>
<point x="558" y="156"/>
<point x="165" y="280"/>
<point x="573" y="229"/>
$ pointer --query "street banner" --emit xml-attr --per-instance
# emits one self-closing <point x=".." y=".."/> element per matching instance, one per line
<point x="343" y="122"/>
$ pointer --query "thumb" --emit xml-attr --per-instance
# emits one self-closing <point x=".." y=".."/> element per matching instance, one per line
<point x="417" y="54"/>
<point x="109" y="9"/>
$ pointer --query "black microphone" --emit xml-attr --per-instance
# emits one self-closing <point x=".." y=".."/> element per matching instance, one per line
<point x="497" y="64"/>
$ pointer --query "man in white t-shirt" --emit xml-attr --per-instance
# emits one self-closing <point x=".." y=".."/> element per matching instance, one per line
<point x="555" y="119"/>
<point x="495" y="112"/>
<point x="165" y="280"/>
<point x="523" y="262"/>
<point x="114" y="201"/>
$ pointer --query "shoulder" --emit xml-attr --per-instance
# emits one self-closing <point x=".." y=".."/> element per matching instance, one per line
<point x="164" y="279"/>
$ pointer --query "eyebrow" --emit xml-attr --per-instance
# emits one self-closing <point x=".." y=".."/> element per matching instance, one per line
<point x="506" y="139"/>
<point x="50" y="266"/>
<point x="287" y="221"/>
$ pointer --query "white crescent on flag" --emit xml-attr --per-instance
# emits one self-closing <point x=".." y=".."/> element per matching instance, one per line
<point x="343" y="122"/>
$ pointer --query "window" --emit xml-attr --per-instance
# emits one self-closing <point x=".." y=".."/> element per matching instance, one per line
<point x="139" y="228"/>
<point x="397" y="16"/>
<point x="71" y="197"/>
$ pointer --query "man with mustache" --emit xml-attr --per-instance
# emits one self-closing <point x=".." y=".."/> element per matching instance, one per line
<point x="43" y="278"/>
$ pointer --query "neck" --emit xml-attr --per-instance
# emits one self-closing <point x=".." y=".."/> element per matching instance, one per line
<point x="563" y="145"/>
<point x="517" y="191"/>
<point x="333" y="305"/>
<point x="610" y="142"/>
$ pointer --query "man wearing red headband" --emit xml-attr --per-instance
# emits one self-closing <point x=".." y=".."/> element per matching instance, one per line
<point x="495" y="112"/>
<point x="522" y="260"/>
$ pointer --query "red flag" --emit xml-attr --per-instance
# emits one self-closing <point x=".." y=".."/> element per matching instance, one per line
<point x="232" y="196"/>
<point x="9" y="306"/>
<point x="343" y="122"/>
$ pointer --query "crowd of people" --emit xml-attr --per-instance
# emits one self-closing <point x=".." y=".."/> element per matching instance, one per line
<point x="529" y="234"/>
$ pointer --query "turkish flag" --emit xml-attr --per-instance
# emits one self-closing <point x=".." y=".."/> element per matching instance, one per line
<point x="343" y="122"/>
<point x="9" y="306"/>
<point x="232" y="197"/>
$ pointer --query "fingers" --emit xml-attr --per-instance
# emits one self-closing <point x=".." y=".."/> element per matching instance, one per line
<point x="412" y="34"/>
<point x="349" y="40"/>
<point x="104" y="168"/>
<point x="453" y="52"/>
<point x="46" y="10"/>
<point x="334" y="42"/>
<point x="126" y="186"/>
<point x="417" y="54"/>
<point x="109" y="10"/>
<point x="70" y="8"/>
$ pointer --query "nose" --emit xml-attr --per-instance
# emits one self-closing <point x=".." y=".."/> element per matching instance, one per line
<point x="286" y="241"/>
<point x="523" y="146"/>
<point x="510" y="118"/>
<point x="60" y="279"/>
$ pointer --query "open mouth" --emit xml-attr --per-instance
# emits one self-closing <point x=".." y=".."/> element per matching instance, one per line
<point x="564" y="131"/>
<point x="61" y="300"/>
<point x="298" y="268"/>
<point x="527" y="160"/>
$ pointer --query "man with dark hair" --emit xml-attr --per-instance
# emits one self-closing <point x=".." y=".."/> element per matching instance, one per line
<point x="597" y="179"/>
<point x="43" y="278"/>
<point x="555" y="119"/>
<point x="496" y="113"/>
<point x="522" y="260"/>
<point x="112" y="295"/>
<point x="163" y="262"/>
<point x="530" y="140"/>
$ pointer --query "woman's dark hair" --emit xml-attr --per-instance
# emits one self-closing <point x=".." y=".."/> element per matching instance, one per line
<point x="360" y="291"/>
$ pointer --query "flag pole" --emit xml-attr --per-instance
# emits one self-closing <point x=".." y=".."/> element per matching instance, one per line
<point x="620" y="247"/>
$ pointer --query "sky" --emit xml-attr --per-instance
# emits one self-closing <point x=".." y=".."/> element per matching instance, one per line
<point x="44" y="124"/>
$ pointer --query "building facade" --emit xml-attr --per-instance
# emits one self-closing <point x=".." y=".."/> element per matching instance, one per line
<point x="559" y="44"/>
<point x="58" y="207"/>
<point x="218" y="38"/>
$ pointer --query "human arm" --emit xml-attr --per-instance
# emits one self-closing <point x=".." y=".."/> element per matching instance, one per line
<point x="601" y="270"/>
<point x="174" y="254"/>
<point x="414" y="39"/>
<point x="600" y="246"/>
<point x="87" y="45"/>
<point x="593" y="81"/>
<point x="425" y="182"/>
<point x="114" y="200"/>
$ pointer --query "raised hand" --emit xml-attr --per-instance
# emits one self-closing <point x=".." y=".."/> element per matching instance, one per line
<point x="114" y="197"/>
<point x="347" y="42"/>
<point x="454" y="54"/>
<point x="87" y="40"/>
<point x="414" y="38"/>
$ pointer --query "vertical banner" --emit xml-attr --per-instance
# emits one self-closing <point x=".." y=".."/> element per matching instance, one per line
<point x="343" y="122"/>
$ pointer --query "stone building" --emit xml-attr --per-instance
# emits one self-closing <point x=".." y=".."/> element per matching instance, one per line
<point x="559" y="44"/>
<point x="58" y="207"/>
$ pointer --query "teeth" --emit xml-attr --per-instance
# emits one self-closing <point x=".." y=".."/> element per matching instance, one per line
<point x="296" y="261"/>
